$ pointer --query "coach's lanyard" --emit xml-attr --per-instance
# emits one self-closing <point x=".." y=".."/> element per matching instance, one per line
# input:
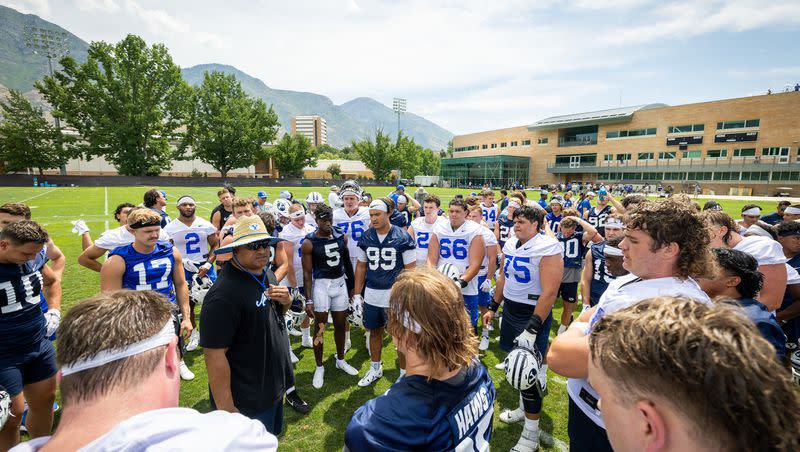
<point x="263" y="282"/>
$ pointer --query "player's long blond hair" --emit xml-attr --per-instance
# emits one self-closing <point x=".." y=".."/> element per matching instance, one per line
<point x="425" y="300"/>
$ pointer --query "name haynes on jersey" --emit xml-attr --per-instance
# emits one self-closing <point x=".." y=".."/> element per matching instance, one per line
<point x="471" y="413"/>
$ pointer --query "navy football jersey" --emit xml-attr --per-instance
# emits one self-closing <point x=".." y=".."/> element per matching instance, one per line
<point x="574" y="249"/>
<point x="385" y="259"/>
<point x="417" y="414"/>
<point x="598" y="219"/>
<point x="399" y="219"/>
<point x="329" y="255"/>
<point x="148" y="271"/>
<point x="600" y="278"/>
<point x="22" y="324"/>
<point x="506" y="229"/>
<point x="553" y="221"/>
<point x="406" y="215"/>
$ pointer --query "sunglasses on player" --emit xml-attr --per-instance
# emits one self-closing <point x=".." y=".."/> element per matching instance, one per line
<point x="255" y="246"/>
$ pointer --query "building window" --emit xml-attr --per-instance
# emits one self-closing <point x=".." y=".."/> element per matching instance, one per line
<point x="494" y="145"/>
<point x="786" y="175"/>
<point x="608" y="157"/>
<point x="513" y="144"/>
<point x="738" y="124"/>
<point x="623" y="157"/>
<point x="692" y="154"/>
<point x="750" y="152"/>
<point x="526" y="142"/>
<point x="542" y="140"/>
<point x="755" y="175"/>
<point x="645" y="156"/>
<point x="726" y="175"/>
<point x="699" y="175"/>
<point x="502" y="145"/>
<point x="674" y="176"/>
<point x="774" y="152"/>
<point x="666" y="155"/>
<point x="630" y="133"/>
<point x="685" y="129"/>
<point x="717" y="153"/>
<point x="466" y="148"/>
<point x="579" y="159"/>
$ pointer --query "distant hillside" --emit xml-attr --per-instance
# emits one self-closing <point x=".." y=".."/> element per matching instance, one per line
<point x="19" y="66"/>
<point x="354" y="120"/>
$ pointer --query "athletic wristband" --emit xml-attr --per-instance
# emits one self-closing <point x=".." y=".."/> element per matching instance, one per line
<point x="309" y="301"/>
<point x="494" y="306"/>
<point x="462" y="283"/>
<point x="207" y="266"/>
<point x="535" y="324"/>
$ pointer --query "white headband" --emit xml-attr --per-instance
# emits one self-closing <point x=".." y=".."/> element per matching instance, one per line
<point x="297" y="214"/>
<point x="401" y="199"/>
<point x="379" y="205"/>
<point x="513" y="204"/>
<point x="752" y="211"/>
<point x="410" y="323"/>
<point x="792" y="210"/>
<point x="614" y="223"/>
<point x="612" y="250"/>
<point x="103" y="357"/>
<point x="185" y="200"/>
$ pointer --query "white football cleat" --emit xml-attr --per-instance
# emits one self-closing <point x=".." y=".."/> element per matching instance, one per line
<point x="528" y="441"/>
<point x="186" y="373"/>
<point x="484" y="345"/>
<point x="306" y="342"/>
<point x="319" y="377"/>
<point x="194" y="341"/>
<point x="512" y="416"/>
<point x="295" y="332"/>
<point x="543" y="377"/>
<point x="561" y="329"/>
<point x="79" y="227"/>
<point x="500" y="366"/>
<point x="346" y="367"/>
<point x="294" y="357"/>
<point x="371" y="377"/>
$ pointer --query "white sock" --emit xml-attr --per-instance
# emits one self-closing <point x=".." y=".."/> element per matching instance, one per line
<point x="485" y="331"/>
<point x="376" y="365"/>
<point x="306" y="332"/>
<point x="402" y="373"/>
<point x="346" y="336"/>
<point x="544" y="369"/>
<point x="320" y="367"/>
<point x="339" y="361"/>
<point x="531" y="424"/>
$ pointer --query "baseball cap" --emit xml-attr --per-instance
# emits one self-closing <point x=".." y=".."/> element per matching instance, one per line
<point x="262" y="194"/>
<point x="285" y="194"/>
<point x="402" y="200"/>
<point x="591" y="193"/>
<point x="401" y="187"/>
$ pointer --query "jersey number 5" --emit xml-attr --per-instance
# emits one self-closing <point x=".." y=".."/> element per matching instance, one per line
<point x="520" y="271"/>
<point x="332" y="251"/>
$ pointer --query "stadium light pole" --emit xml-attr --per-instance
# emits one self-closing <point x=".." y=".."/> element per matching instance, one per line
<point x="399" y="107"/>
<point x="51" y="44"/>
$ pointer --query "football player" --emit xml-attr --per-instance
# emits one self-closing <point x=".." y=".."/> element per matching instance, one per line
<point x="486" y="273"/>
<point x="574" y="245"/>
<point x="27" y="357"/>
<point x="241" y="207"/>
<point x="383" y="251"/>
<point x="221" y="213"/>
<point x="597" y="268"/>
<point x="196" y="240"/>
<point x="504" y="227"/>
<point x="82" y="229"/>
<point x="596" y="216"/>
<point x="553" y="217"/>
<point x="328" y="283"/>
<point x="313" y="200"/>
<point x="489" y="210"/>
<point x="150" y="264"/>
<point x="156" y="200"/>
<point x="531" y="270"/>
<point x="295" y="233"/>
<point x="422" y="227"/>
<point x="459" y="241"/>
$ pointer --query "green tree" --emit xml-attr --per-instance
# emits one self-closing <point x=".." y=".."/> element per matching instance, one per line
<point x="127" y="102"/>
<point x="292" y="154"/>
<point x="431" y="163"/>
<point x="410" y="154"/>
<point x="335" y="170"/>
<point x="326" y="149"/>
<point x="450" y="148"/>
<point x="379" y="156"/>
<point x="228" y="129"/>
<point x="27" y="140"/>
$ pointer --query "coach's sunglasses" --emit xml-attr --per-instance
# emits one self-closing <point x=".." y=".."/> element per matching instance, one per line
<point x="255" y="246"/>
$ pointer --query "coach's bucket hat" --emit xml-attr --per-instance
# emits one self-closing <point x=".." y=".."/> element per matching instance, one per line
<point x="247" y="230"/>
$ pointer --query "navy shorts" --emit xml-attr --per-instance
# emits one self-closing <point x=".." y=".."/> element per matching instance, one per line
<point x="471" y="304"/>
<point x="568" y="292"/>
<point x="516" y="317"/>
<point x="584" y="434"/>
<point x="32" y="367"/>
<point x="484" y="298"/>
<point x="375" y="316"/>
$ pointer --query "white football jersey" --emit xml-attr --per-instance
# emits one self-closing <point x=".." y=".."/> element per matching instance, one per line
<point x="353" y="227"/>
<point x="422" y="236"/>
<point x="292" y="233"/>
<point x="311" y="220"/>
<point x="489" y="239"/>
<point x="765" y="250"/>
<point x="490" y="214"/>
<point x="120" y="236"/>
<point x="623" y="292"/>
<point x="191" y="241"/>
<point x="454" y="248"/>
<point x="521" y="267"/>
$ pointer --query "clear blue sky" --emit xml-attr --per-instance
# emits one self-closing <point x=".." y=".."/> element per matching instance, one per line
<point x="470" y="65"/>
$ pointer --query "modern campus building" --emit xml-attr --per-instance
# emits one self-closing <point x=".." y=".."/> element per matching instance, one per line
<point x="748" y="145"/>
<point x="312" y="127"/>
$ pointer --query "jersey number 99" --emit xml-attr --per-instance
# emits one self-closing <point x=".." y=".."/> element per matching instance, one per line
<point x="385" y="258"/>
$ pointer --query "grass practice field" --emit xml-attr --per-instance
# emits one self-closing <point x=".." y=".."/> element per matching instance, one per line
<point x="331" y="407"/>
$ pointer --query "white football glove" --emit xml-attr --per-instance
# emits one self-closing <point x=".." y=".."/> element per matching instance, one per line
<point x="190" y="266"/>
<point x="52" y="318"/>
<point x="80" y="227"/>
<point x="297" y="296"/>
<point x="526" y="339"/>
<point x="358" y="300"/>
<point x="486" y="286"/>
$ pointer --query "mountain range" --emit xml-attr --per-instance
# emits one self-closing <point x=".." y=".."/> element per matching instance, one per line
<point x="357" y="119"/>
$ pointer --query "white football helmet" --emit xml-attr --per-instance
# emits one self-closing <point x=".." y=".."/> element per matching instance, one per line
<point x="315" y="198"/>
<point x="282" y="206"/>
<point x="5" y="406"/>
<point x="289" y="321"/>
<point x="297" y="312"/>
<point x="200" y="288"/>
<point x="450" y="271"/>
<point x="350" y="187"/>
<point x="356" y="312"/>
<point x="795" y="359"/>
<point x="522" y="369"/>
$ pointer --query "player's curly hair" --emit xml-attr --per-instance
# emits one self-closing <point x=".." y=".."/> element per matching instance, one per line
<point x="668" y="222"/>
<point x="713" y="217"/>
<point x="120" y="208"/>
<point x="706" y="362"/>
<point x="426" y="312"/>
<point x="17" y="209"/>
<point x="743" y="265"/>
<point x="25" y="231"/>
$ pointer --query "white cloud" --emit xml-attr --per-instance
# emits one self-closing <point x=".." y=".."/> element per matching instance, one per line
<point x="38" y="7"/>
<point x="97" y="5"/>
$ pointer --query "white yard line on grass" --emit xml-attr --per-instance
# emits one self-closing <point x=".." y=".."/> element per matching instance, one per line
<point x="105" y="207"/>
<point x="36" y="196"/>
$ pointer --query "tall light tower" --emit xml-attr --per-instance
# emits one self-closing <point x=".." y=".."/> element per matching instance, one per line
<point x="52" y="44"/>
<point x="399" y="107"/>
